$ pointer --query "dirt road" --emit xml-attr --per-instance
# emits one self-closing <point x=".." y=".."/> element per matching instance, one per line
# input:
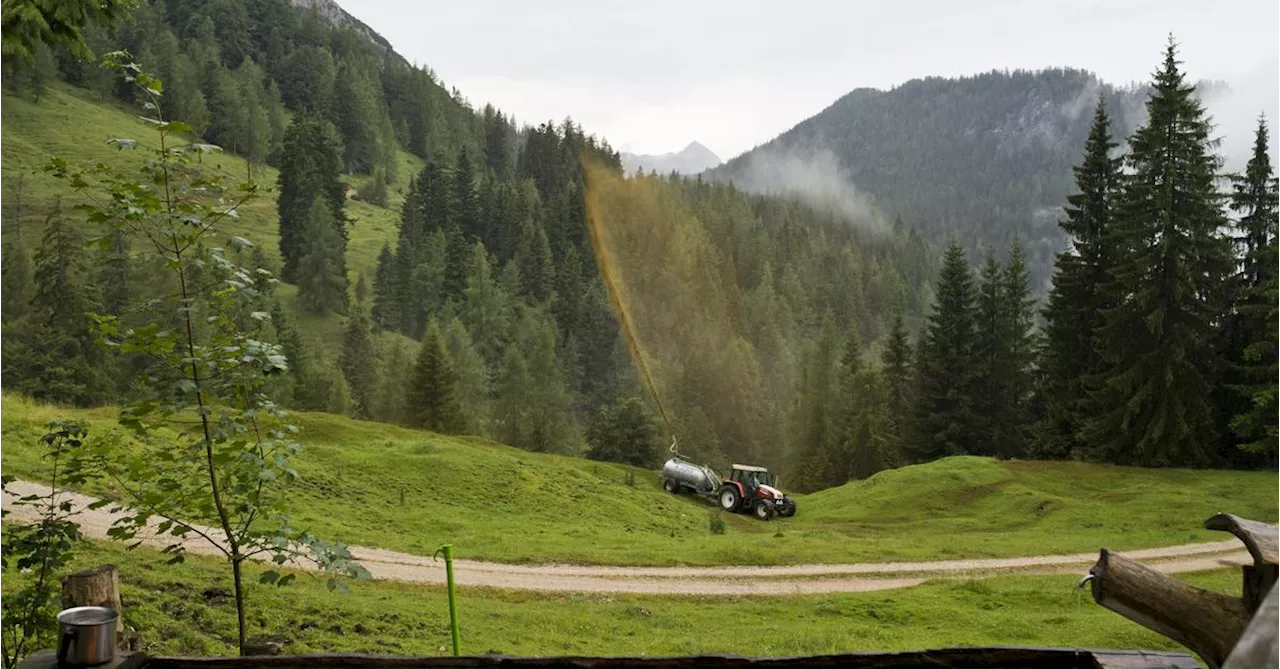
<point x="782" y="580"/>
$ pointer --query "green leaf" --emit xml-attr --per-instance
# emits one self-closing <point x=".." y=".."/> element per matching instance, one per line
<point x="269" y="577"/>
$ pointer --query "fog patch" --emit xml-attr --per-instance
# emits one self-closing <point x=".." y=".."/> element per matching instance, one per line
<point x="1235" y="107"/>
<point x="815" y="177"/>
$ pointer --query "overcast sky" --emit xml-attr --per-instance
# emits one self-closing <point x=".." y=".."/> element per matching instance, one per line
<point x="652" y="75"/>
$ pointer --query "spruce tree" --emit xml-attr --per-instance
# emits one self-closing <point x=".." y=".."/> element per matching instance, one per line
<point x="432" y="402"/>
<point x="466" y="205"/>
<point x="814" y="418"/>
<point x="385" y="306"/>
<point x="53" y="356"/>
<point x="496" y="142"/>
<point x="358" y="361"/>
<point x="1152" y="403"/>
<point x="458" y="257"/>
<point x="944" y="406"/>
<point x="355" y="114"/>
<point x="1254" y="199"/>
<point x="114" y="274"/>
<point x="435" y="190"/>
<point x="395" y="371"/>
<point x="991" y="338"/>
<point x="899" y="384"/>
<point x="311" y="163"/>
<point x="533" y="257"/>
<point x="16" y="281"/>
<point x="1074" y="306"/>
<point x="624" y="432"/>
<point x="865" y="447"/>
<point x="512" y="412"/>
<point x="1020" y="348"/>
<point x="322" y="272"/>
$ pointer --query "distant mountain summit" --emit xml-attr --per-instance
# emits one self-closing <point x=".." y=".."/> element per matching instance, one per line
<point x="692" y="159"/>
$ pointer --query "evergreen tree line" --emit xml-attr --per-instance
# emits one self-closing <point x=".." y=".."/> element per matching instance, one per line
<point x="1158" y="344"/>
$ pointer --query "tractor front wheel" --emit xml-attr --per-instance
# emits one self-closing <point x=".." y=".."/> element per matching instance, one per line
<point x="788" y="509"/>
<point x="729" y="498"/>
<point x="764" y="510"/>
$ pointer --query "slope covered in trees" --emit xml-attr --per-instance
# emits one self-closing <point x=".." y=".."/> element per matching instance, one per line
<point x="980" y="158"/>
<point x="395" y="212"/>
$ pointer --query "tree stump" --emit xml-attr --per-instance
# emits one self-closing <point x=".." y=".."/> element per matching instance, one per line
<point x="99" y="586"/>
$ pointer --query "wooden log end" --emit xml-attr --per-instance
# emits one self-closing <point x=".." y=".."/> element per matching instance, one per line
<point x="1262" y="540"/>
<point x="1207" y="622"/>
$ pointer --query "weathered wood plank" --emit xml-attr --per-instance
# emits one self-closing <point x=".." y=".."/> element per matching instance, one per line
<point x="1257" y="649"/>
<point x="956" y="658"/>
<point x="1262" y="540"/>
<point x="1209" y="623"/>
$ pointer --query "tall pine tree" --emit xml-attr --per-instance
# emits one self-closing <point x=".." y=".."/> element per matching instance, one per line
<point x="899" y="385"/>
<point x="53" y="355"/>
<point x="309" y="172"/>
<point x="358" y="361"/>
<point x="944" y="406"/>
<point x="1165" y="296"/>
<point x="1074" y="307"/>
<point x="1254" y="199"/>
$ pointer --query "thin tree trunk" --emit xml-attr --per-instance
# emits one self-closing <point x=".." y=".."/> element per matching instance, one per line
<point x="239" y="585"/>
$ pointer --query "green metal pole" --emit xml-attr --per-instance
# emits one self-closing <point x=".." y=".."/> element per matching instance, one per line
<point x="447" y="549"/>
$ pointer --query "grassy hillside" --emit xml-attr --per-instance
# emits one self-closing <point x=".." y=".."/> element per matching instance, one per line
<point x="187" y="610"/>
<point x="72" y="123"/>
<point x="390" y="487"/>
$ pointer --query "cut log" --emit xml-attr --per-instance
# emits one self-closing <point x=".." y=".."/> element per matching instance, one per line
<point x="1209" y="623"/>
<point x="1257" y="648"/>
<point x="1262" y="540"/>
<point x="99" y="586"/>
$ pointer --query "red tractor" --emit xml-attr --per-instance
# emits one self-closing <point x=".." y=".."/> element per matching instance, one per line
<point x="751" y="489"/>
<point x="748" y="488"/>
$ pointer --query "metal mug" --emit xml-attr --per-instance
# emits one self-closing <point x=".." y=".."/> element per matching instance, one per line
<point x="87" y="636"/>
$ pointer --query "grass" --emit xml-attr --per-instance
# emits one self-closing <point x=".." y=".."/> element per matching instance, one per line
<point x="74" y="124"/>
<point x="391" y="487"/>
<point x="187" y="610"/>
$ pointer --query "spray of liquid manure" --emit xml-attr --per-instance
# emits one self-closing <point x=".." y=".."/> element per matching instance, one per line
<point x="680" y="311"/>
<point x="602" y="247"/>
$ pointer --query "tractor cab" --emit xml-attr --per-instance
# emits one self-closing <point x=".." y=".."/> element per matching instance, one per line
<point x="752" y="489"/>
<point x="751" y="476"/>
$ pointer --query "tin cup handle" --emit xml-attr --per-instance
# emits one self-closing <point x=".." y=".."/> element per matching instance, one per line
<point x="68" y="636"/>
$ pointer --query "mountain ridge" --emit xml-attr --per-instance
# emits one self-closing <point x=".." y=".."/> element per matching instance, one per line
<point x="692" y="159"/>
<point x="981" y="157"/>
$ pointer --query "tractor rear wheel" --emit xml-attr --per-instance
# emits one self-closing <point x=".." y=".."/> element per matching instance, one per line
<point x="764" y="510"/>
<point x="671" y="486"/>
<point x="729" y="498"/>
